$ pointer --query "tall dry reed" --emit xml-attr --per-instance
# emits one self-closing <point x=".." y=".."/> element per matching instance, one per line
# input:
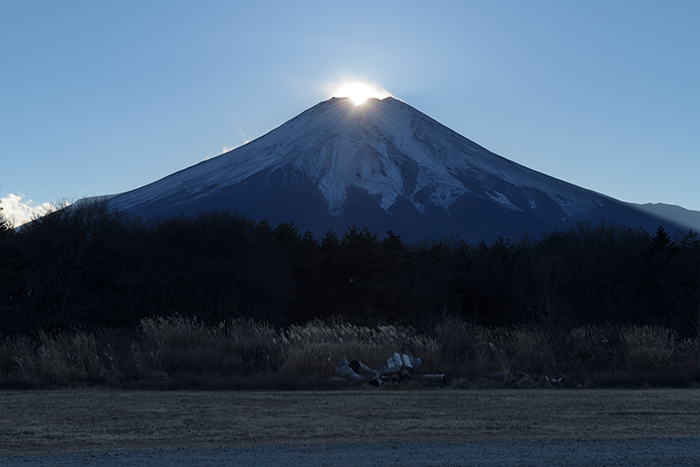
<point x="312" y="348"/>
<point x="177" y="344"/>
<point x="169" y="350"/>
<point x="649" y="348"/>
<point x="481" y="349"/>
<point x="57" y="358"/>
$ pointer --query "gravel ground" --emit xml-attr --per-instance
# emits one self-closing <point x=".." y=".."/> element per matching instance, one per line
<point x="572" y="453"/>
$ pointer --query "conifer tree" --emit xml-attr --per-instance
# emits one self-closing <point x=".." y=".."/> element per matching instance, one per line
<point x="662" y="242"/>
<point x="392" y="241"/>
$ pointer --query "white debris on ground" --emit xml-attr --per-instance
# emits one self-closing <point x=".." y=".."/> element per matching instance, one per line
<point x="397" y="368"/>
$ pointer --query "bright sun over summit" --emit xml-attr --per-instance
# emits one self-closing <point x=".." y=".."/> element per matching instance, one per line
<point x="360" y="92"/>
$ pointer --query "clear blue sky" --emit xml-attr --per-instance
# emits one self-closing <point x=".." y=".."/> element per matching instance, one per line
<point x="104" y="97"/>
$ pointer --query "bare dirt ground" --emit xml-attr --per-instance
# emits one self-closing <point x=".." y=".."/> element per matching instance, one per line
<point x="102" y="419"/>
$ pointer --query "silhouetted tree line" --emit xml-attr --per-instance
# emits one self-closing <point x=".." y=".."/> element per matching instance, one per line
<point x="89" y="266"/>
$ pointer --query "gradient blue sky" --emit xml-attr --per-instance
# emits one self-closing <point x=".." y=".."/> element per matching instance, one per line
<point x="104" y="97"/>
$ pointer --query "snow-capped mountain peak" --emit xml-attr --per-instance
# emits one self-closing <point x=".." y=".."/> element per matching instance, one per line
<point x="395" y="162"/>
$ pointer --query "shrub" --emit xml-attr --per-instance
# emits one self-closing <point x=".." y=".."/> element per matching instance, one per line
<point x="58" y="358"/>
<point x="522" y="349"/>
<point x="532" y="352"/>
<point x="456" y="341"/>
<point x="589" y="349"/>
<point x="649" y="348"/>
<point x="176" y="345"/>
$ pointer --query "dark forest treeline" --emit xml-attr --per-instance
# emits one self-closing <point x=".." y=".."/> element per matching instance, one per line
<point x="91" y="267"/>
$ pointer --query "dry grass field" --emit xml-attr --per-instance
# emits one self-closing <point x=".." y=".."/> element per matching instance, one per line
<point x="100" y="419"/>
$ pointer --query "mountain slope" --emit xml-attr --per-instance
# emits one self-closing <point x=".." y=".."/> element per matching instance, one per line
<point x="676" y="214"/>
<point x="384" y="165"/>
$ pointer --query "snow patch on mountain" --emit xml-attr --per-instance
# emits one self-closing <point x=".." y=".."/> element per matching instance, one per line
<point x="501" y="199"/>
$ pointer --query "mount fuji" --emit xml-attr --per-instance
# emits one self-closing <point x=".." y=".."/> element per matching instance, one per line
<point x="384" y="165"/>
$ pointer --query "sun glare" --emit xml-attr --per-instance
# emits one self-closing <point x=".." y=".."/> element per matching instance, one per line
<point x="359" y="92"/>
